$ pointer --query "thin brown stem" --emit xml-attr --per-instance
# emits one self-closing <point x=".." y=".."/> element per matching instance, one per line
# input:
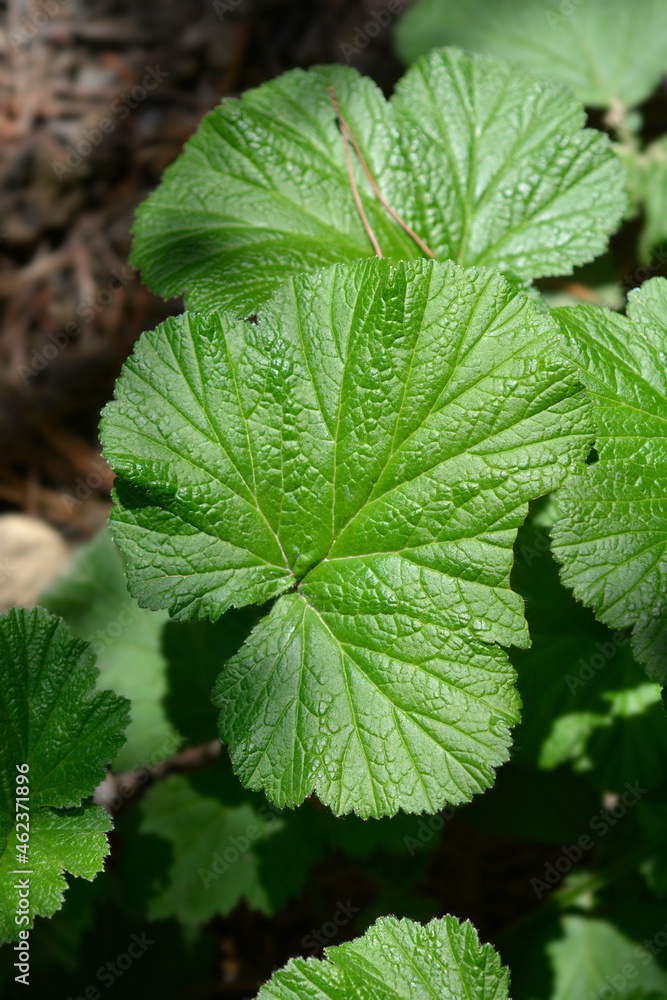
<point x="344" y="131"/>
<point x="347" y="132"/>
<point x="118" y="789"/>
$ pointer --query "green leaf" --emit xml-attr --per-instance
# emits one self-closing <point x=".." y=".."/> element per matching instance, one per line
<point x="93" y="599"/>
<point x="52" y="720"/>
<point x="599" y="48"/>
<point x="226" y="846"/>
<point x="397" y="960"/>
<point x="579" y="956"/>
<point x="585" y="699"/>
<point x="612" y="539"/>
<point x="366" y="449"/>
<point x="487" y="165"/>
<point x="73" y="841"/>
<point x="641" y="994"/>
<point x="210" y="871"/>
<point x="647" y="181"/>
<point x="167" y="669"/>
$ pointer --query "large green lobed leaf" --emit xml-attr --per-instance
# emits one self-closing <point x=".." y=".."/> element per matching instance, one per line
<point x="367" y="450"/>
<point x="487" y="165"/>
<point x="398" y="960"/>
<point x="607" y="51"/>
<point x="612" y="540"/>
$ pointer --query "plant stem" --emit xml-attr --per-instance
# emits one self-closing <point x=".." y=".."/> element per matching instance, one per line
<point x="348" y="159"/>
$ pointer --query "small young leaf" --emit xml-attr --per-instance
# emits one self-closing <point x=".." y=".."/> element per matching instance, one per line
<point x="612" y="540"/>
<point x="369" y="445"/>
<point x="600" y="48"/>
<point x="487" y="165"/>
<point x="397" y="960"/>
<point x="52" y="720"/>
